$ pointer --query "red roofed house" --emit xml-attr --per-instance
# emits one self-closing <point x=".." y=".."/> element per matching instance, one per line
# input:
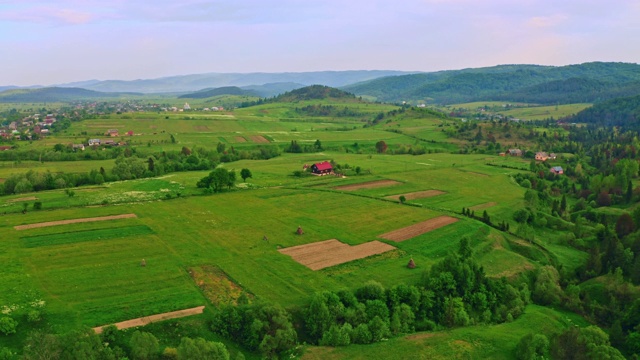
<point x="322" y="168"/>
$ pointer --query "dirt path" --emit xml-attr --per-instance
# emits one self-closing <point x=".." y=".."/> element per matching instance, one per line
<point x="417" y="195"/>
<point x="367" y="185"/>
<point x="409" y="232"/>
<point x="153" y="318"/>
<point x="73" y="221"/>
<point x="30" y="198"/>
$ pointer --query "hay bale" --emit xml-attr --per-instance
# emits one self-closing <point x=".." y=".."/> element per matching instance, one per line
<point x="411" y="264"/>
<point x="299" y="231"/>
<point x="143" y="263"/>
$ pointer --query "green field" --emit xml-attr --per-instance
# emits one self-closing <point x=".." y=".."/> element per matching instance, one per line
<point x="89" y="274"/>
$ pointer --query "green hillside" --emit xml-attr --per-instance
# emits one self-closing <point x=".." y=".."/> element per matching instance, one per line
<point x="226" y="90"/>
<point x="587" y="82"/>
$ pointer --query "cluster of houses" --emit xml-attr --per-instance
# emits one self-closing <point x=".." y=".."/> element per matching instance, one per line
<point x="104" y="142"/>
<point x="540" y="156"/>
<point x="27" y="127"/>
<point x="187" y="107"/>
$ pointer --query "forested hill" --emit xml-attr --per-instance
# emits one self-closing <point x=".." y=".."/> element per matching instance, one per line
<point x="226" y="90"/>
<point x="54" y="94"/>
<point x="588" y="82"/>
<point x="313" y="92"/>
<point x="623" y="112"/>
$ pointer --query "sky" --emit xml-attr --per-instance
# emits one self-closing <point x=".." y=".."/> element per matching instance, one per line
<point x="59" y="41"/>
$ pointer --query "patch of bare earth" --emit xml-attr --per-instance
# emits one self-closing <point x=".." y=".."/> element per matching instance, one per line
<point x="153" y="318"/>
<point x="215" y="284"/>
<point x="30" y="198"/>
<point x="484" y="206"/>
<point x="417" y="195"/>
<point x="201" y="128"/>
<point x="323" y="254"/>
<point x="412" y="231"/>
<point x="367" y="185"/>
<point x="73" y="221"/>
<point x="421" y="336"/>
<point x="259" y="139"/>
<point x="240" y="139"/>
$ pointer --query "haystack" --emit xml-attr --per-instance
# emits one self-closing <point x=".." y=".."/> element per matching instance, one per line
<point x="143" y="263"/>
<point x="299" y="231"/>
<point x="411" y="264"/>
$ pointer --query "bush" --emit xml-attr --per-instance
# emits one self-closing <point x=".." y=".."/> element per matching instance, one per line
<point x="37" y="205"/>
<point x="8" y="325"/>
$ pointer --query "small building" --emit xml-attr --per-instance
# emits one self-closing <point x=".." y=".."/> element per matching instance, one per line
<point x="109" y="143"/>
<point x="553" y="156"/>
<point x="186" y="106"/>
<point x="94" y="142"/>
<point x="111" y="132"/>
<point x="322" y="168"/>
<point x="542" y="156"/>
<point x="515" y="152"/>
<point x="77" y="147"/>
<point x="557" y="170"/>
<point x="130" y="133"/>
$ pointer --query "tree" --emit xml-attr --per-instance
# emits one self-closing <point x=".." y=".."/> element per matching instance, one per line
<point x="624" y="225"/>
<point x="402" y="199"/>
<point x="318" y="145"/>
<point x="144" y="345"/>
<point x="381" y="147"/>
<point x="201" y="349"/>
<point x="41" y="346"/>
<point x="532" y="347"/>
<point x="218" y="179"/>
<point x="245" y="174"/>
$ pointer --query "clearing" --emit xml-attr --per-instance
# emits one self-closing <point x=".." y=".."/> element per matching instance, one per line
<point x="412" y="231"/>
<point x="322" y="254"/>
<point x="153" y="318"/>
<point x="367" y="185"/>
<point x="73" y="221"/>
<point x="417" y="195"/>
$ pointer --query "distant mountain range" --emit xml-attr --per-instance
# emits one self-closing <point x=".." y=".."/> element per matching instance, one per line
<point x="588" y="82"/>
<point x="190" y="83"/>
<point x="55" y="94"/>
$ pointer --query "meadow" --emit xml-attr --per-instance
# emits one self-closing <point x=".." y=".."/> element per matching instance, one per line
<point x="89" y="274"/>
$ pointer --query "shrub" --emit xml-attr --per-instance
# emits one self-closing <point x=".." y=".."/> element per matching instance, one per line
<point x="8" y="325"/>
<point x="37" y="205"/>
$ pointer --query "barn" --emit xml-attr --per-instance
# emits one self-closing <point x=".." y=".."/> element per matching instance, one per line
<point x="322" y="168"/>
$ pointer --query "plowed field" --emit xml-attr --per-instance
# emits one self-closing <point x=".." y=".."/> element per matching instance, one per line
<point x="417" y="195"/>
<point x="332" y="252"/>
<point x="240" y="139"/>
<point x="367" y="185"/>
<point x="483" y="206"/>
<point x="259" y="139"/>
<point x="73" y="221"/>
<point x="418" y="229"/>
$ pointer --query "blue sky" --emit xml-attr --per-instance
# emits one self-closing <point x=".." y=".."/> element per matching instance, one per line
<point x="57" y="41"/>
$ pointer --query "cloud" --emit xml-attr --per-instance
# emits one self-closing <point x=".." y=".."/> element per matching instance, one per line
<point x="547" y="21"/>
<point x="46" y="14"/>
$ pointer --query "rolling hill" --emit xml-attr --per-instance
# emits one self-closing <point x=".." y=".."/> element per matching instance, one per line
<point x="588" y="82"/>
<point x="225" y="90"/>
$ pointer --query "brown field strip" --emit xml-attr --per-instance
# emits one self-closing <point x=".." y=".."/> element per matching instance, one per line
<point x="153" y="318"/>
<point x="259" y="139"/>
<point x="30" y="198"/>
<point x="332" y="252"/>
<point x="240" y="139"/>
<point x="418" y="229"/>
<point x="368" y="185"/>
<point x="73" y="221"/>
<point x="201" y="128"/>
<point x="483" y="206"/>
<point x="417" y="195"/>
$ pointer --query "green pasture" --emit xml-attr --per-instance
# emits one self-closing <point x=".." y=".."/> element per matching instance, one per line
<point x="545" y="112"/>
<point x="472" y="342"/>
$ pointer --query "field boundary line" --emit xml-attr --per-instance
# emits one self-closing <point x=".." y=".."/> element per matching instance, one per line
<point x="142" y="321"/>
<point x="74" y="221"/>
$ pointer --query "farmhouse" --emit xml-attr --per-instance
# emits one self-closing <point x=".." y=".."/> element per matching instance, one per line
<point x="557" y="170"/>
<point x="321" y="168"/>
<point x="542" y="156"/>
<point x="111" y="132"/>
<point x="515" y="152"/>
<point x="93" y="142"/>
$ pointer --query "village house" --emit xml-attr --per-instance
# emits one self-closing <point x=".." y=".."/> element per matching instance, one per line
<point x="557" y="170"/>
<point x="94" y="142"/>
<point x="515" y="152"/>
<point x="108" y="142"/>
<point x="111" y="132"/>
<point x="322" y="168"/>
<point x="542" y="156"/>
